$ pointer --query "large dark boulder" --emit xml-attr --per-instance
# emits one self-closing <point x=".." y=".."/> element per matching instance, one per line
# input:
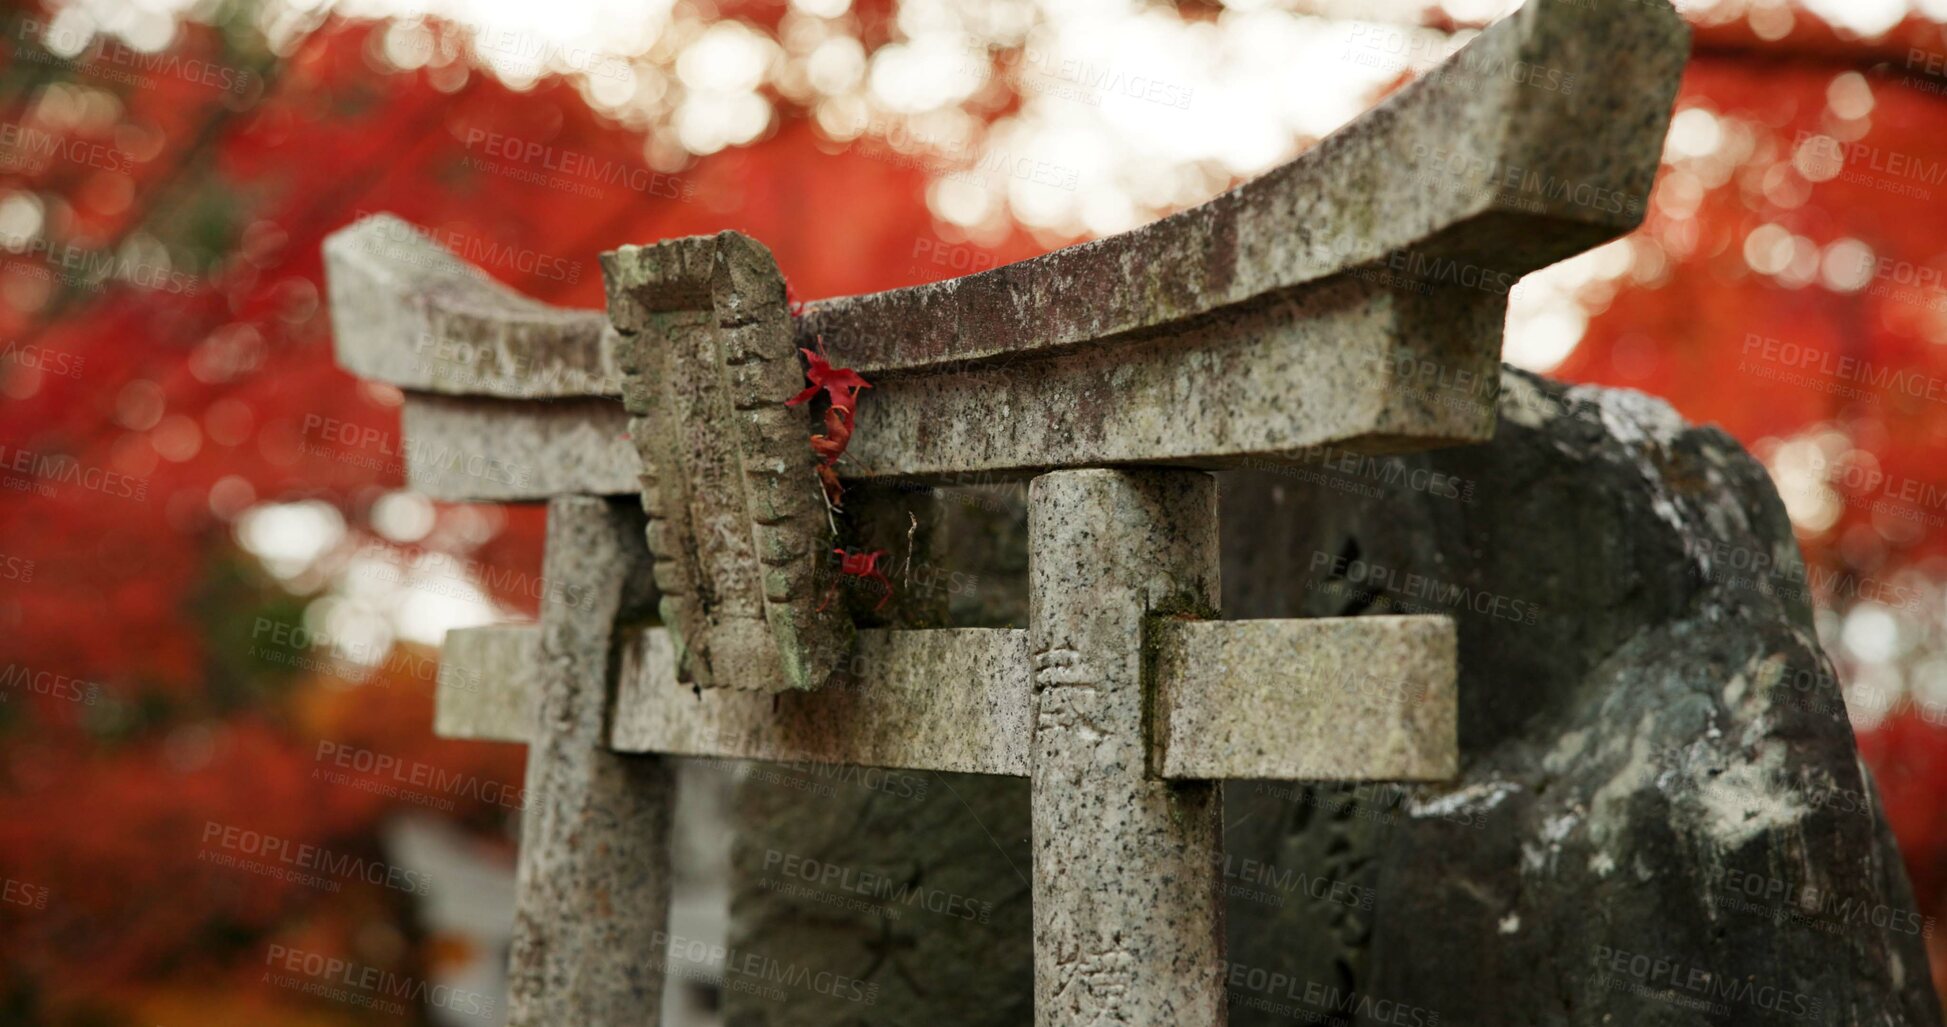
<point x="1661" y="816"/>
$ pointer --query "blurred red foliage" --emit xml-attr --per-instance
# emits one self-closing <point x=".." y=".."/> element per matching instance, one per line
<point x="1846" y="349"/>
<point x="152" y="411"/>
<point x="183" y="400"/>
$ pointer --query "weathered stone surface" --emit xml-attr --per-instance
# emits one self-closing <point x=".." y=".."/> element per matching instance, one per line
<point x="592" y="890"/>
<point x="489" y="683"/>
<point x="406" y="311"/>
<point x="468" y="450"/>
<point x="1655" y="758"/>
<point x="1277" y="377"/>
<point x="1427" y="173"/>
<point x="952" y="700"/>
<point x="1330" y="699"/>
<point x="1334" y="367"/>
<point x="1128" y="916"/>
<point x="926" y="918"/>
<point x="1295" y="312"/>
<point x="737" y="519"/>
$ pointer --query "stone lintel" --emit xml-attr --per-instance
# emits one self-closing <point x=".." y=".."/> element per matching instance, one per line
<point x="1539" y="139"/>
<point x="1330" y="699"/>
<point x="949" y="700"/>
<point x="472" y="449"/>
<point x="1353" y="367"/>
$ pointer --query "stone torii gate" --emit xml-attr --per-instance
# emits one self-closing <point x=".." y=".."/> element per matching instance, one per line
<point x="1330" y="303"/>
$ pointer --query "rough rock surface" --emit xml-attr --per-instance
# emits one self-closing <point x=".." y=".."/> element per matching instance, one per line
<point x="1660" y="817"/>
<point x="958" y="842"/>
<point x="880" y="898"/>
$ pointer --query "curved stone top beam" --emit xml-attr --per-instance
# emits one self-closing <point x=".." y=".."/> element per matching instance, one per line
<point x="407" y="312"/>
<point x="1538" y="140"/>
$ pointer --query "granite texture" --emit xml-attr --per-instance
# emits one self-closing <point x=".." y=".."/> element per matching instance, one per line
<point x="950" y="700"/>
<point x="406" y="311"/>
<point x="737" y="518"/>
<point x="465" y="449"/>
<point x="1268" y="380"/>
<point x="1334" y="368"/>
<point x="1329" y="699"/>
<point x="489" y="683"/>
<point x="1128" y="914"/>
<point x="592" y="889"/>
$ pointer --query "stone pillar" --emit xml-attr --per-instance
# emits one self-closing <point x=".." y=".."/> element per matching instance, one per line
<point x="1128" y="900"/>
<point x="592" y="891"/>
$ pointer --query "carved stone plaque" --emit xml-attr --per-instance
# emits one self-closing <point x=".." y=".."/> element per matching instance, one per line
<point x="737" y="522"/>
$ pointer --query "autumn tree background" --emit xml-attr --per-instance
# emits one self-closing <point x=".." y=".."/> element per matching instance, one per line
<point x="219" y="609"/>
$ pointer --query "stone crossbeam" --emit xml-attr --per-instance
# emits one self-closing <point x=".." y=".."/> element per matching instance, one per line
<point x="1295" y="312"/>
<point x="1266" y="699"/>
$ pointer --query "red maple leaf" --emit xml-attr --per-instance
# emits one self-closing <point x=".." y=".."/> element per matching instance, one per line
<point x="842" y="384"/>
<point x="860" y="565"/>
<point x="838" y="434"/>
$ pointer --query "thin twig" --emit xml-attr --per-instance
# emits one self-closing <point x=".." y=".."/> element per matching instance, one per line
<point x="906" y="576"/>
